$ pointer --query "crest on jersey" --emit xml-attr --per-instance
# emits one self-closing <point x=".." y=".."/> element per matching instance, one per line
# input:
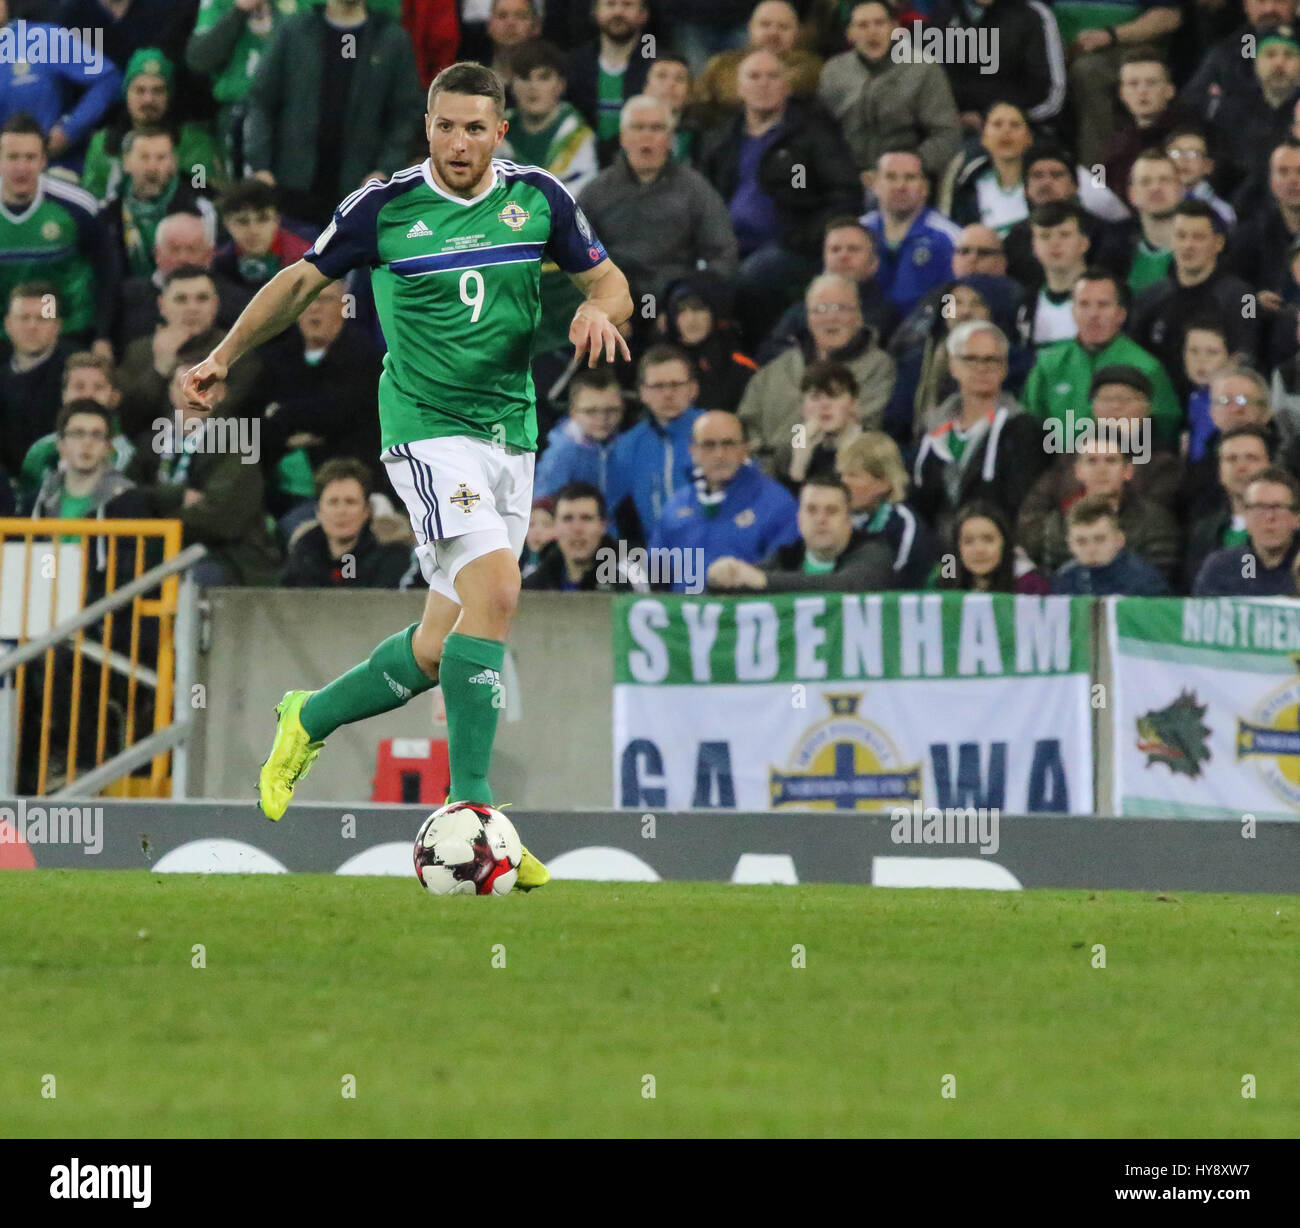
<point x="50" y="231"/>
<point x="584" y="226"/>
<point x="514" y="215"/>
<point x="464" y="498"/>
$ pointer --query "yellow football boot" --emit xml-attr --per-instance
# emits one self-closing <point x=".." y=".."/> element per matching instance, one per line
<point x="292" y="754"/>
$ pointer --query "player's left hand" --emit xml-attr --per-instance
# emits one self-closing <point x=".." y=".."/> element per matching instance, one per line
<point x="592" y="331"/>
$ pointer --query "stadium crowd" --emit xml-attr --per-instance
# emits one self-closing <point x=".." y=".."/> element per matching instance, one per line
<point x="1019" y="314"/>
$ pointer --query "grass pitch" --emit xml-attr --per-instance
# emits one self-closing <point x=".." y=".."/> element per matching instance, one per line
<point x="310" y="979"/>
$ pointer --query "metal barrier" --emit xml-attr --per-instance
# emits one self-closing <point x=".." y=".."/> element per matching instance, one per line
<point x="137" y="635"/>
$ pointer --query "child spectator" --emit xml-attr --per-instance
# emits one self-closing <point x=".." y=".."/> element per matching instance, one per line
<point x="1205" y="354"/>
<point x="829" y="413"/>
<point x="1102" y="565"/>
<point x="259" y="246"/>
<point x="579" y="447"/>
<point x="1189" y="149"/>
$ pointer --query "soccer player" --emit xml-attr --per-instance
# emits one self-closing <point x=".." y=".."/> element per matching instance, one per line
<point x="455" y="246"/>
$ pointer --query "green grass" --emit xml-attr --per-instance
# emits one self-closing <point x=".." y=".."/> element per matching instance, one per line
<point x="311" y="978"/>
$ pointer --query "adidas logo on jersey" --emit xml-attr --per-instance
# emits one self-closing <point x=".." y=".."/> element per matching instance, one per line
<point x="489" y="677"/>
<point x="419" y="231"/>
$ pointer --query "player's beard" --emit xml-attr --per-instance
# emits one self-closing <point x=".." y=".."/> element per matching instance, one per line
<point x="462" y="180"/>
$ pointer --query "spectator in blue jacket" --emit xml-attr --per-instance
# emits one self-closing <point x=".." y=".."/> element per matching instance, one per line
<point x="652" y="461"/>
<point x="580" y="446"/>
<point x="1102" y="565"/>
<point x="1262" y="567"/>
<point x="915" y="243"/>
<point x="732" y="509"/>
<point x="38" y="86"/>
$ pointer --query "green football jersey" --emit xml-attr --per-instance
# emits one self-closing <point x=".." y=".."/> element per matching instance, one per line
<point x="457" y="289"/>
<point x="57" y="239"/>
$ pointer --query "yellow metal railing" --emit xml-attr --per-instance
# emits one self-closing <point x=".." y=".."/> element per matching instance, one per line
<point x="37" y="592"/>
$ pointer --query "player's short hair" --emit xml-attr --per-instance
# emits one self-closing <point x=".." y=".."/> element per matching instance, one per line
<point x="468" y="77"/>
<point x="1057" y="213"/>
<point x="580" y="490"/>
<point x="829" y="377"/>
<point x="1247" y="428"/>
<point x="1278" y="476"/>
<point x="1091" y="509"/>
<point x="539" y="53"/>
<point x="661" y="353"/>
<point x="88" y="358"/>
<point x="341" y="469"/>
<point x="186" y="272"/>
<point x="23" y="123"/>
<point x="133" y="135"/>
<point x="249" y="193"/>
<point x="829" y="481"/>
<point x="877" y="455"/>
<point x="82" y="406"/>
<point x="36" y="289"/>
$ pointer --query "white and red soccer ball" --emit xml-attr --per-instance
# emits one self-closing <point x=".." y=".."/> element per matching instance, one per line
<point x="467" y="848"/>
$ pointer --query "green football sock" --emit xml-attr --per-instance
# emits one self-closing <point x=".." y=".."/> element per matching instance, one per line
<point x="470" y="674"/>
<point x="386" y="680"/>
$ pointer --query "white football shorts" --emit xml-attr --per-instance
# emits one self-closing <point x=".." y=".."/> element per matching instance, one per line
<point x="466" y="497"/>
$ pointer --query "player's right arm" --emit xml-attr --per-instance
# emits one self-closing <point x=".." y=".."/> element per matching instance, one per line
<point x="275" y="306"/>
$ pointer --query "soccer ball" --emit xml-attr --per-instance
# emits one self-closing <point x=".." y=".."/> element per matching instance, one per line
<point x="467" y="849"/>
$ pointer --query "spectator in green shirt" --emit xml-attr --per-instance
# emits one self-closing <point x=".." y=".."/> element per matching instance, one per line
<point x="1060" y="383"/>
<point x="85" y="480"/>
<point x="147" y="88"/>
<point x="229" y="39"/>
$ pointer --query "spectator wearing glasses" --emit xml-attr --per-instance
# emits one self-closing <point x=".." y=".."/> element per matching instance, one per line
<point x="849" y="249"/>
<point x="732" y="509"/>
<point x="1189" y="148"/>
<point x="1262" y="567"/>
<point x="771" y="404"/>
<point x="987" y="448"/>
<point x="652" y="461"/>
<point x="1239" y="396"/>
<point x="579" y="447"/>
<point x="85" y="480"/>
